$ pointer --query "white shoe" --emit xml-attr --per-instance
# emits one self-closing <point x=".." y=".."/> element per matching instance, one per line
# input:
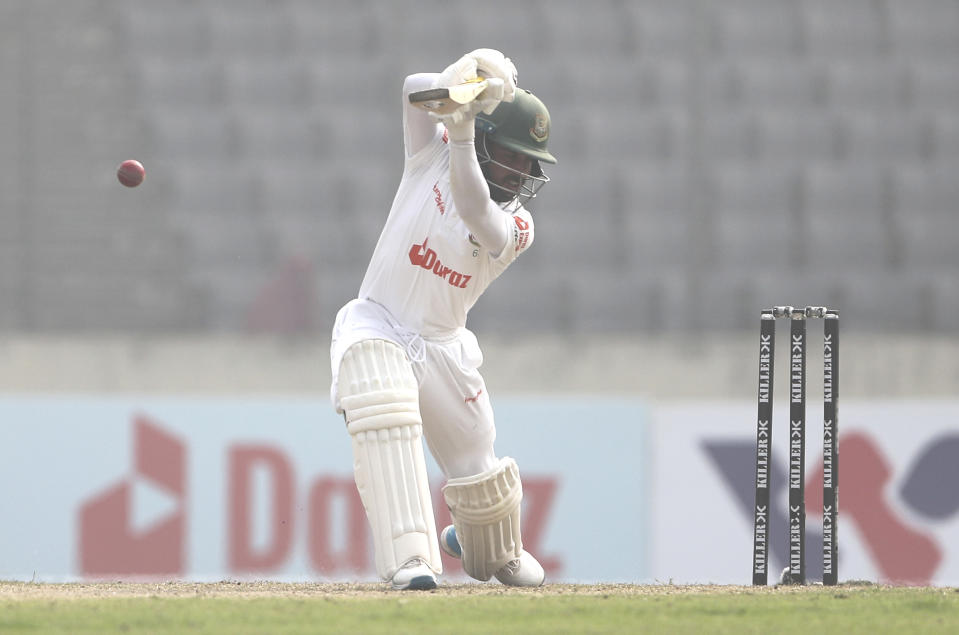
<point x="414" y="575"/>
<point x="523" y="571"/>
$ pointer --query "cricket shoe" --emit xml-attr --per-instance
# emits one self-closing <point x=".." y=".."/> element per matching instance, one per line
<point x="450" y="543"/>
<point x="522" y="571"/>
<point x="414" y="575"/>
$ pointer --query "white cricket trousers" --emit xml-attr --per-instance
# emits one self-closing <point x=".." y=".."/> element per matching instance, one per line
<point x="455" y="408"/>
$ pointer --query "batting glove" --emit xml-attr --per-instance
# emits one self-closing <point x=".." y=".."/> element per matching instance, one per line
<point x="461" y="122"/>
<point x="491" y="63"/>
<point x="460" y="71"/>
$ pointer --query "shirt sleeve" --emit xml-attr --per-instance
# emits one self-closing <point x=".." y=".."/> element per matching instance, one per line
<point x="483" y="217"/>
<point x="418" y="128"/>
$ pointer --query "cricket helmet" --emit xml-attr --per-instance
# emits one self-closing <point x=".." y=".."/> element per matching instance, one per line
<point x="521" y="125"/>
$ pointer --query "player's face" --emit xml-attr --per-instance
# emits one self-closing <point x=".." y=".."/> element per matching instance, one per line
<point x="507" y="169"/>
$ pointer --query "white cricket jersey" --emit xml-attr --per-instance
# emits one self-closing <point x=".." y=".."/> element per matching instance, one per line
<point x="427" y="270"/>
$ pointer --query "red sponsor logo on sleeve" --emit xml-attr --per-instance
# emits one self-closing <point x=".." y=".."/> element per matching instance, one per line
<point x="520" y="233"/>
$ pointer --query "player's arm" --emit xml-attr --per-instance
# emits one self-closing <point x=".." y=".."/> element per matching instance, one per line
<point x="471" y="196"/>
<point x="470" y="192"/>
<point x="418" y="128"/>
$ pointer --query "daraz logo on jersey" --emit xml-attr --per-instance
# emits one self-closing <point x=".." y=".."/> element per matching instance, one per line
<point x="421" y="256"/>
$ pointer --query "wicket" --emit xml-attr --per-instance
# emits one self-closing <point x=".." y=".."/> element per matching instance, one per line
<point x="796" y="573"/>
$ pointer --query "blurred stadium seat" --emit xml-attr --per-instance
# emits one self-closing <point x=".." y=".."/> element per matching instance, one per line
<point x="874" y="85"/>
<point x="851" y="29"/>
<point x="885" y="139"/>
<point x="925" y="208"/>
<point x="180" y="85"/>
<point x="762" y="84"/>
<point x="173" y="31"/>
<point x="205" y="135"/>
<point x="756" y="216"/>
<point x="661" y="31"/>
<point x="944" y="315"/>
<point x="945" y="137"/>
<point x="924" y="29"/>
<point x="935" y="85"/>
<point x="243" y="31"/>
<point x="905" y="301"/>
<point x="794" y="139"/>
<point x="763" y="29"/>
<point x="656" y="205"/>
<point x="846" y="210"/>
<point x="271" y="86"/>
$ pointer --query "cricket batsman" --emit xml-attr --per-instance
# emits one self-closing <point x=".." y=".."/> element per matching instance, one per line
<point x="406" y="368"/>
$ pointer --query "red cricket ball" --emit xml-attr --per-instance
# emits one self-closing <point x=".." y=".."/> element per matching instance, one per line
<point x="131" y="173"/>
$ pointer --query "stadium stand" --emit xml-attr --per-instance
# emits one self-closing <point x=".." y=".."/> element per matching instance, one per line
<point x="741" y="152"/>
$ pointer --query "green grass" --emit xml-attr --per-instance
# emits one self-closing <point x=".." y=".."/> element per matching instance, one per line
<point x="661" y="609"/>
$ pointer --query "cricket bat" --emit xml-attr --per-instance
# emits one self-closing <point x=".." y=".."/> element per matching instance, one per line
<point x="443" y="101"/>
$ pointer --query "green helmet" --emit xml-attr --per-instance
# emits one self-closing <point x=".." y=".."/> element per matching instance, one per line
<point x="521" y="125"/>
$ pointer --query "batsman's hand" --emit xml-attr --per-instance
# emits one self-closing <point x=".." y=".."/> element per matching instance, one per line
<point x="459" y="72"/>
<point x="501" y="76"/>
<point x="491" y="63"/>
<point x="461" y="122"/>
<point x="485" y="63"/>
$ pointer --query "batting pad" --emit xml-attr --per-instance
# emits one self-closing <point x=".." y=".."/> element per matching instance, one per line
<point x="486" y="513"/>
<point x="380" y="397"/>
